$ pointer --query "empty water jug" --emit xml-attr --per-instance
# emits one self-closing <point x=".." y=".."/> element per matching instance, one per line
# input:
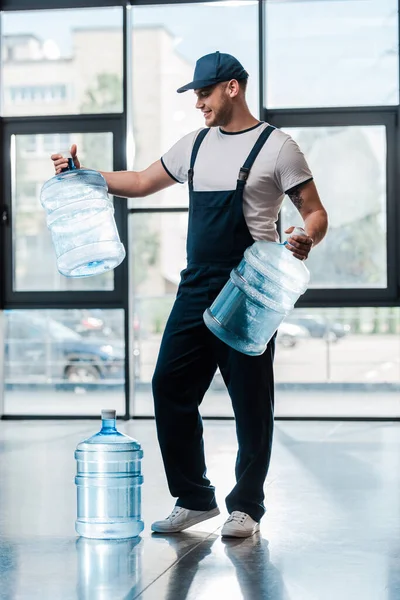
<point x="259" y="294"/>
<point x="80" y="217"/>
<point x="109" y="483"/>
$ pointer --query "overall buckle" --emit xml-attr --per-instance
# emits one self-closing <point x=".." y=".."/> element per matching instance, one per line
<point x="243" y="174"/>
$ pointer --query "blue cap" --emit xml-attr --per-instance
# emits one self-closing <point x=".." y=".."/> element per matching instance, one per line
<point x="215" y="68"/>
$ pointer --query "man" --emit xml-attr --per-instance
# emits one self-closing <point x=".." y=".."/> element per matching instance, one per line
<point x="238" y="170"/>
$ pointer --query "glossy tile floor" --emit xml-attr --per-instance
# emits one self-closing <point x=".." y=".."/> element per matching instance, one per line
<point x="332" y="531"/>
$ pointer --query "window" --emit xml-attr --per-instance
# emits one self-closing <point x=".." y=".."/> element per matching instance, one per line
<point x="28" y="144"/>
<point x="167" y="41"/>
<point x="322" y="58"/>
<point x="64" y="361"/>
<point x="53" y="64"/>
<point x="44" y="93"/>
<point x="158" y="243"/>
<point x="329" y="53"/>
<point x="51" y="143"/>
<point x="349" y="168"/>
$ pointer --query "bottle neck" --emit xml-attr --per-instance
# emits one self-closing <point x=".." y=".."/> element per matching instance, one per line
<point x="108" y="425"/>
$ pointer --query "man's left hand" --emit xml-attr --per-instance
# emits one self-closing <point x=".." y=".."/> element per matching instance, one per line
<point x="299" y="245"/>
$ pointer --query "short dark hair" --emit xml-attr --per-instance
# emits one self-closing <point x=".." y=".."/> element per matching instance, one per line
<point x="243" y="83"/>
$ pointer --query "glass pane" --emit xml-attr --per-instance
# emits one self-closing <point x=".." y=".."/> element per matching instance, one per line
<point x="330" y="362"/>
<point x="349" y="168"/>
<point x="334" y="361"/>
<point x="329" y="53"/>
<point x="158" y="254"/>
<point x="34" y="259"/>
<point x="62" y="62"/>
<point x="339" y="362"/>
<point x="64" y="362"/>
<point x="167" y="41"/>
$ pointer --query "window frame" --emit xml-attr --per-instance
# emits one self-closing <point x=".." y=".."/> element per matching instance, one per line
<point x="86" y="123"/>
<point x="14" y="5"/>
<point x="49" y="4"/>
<point x="387" y="117"/>
<point x="62" y="124"/>
<point x="117" y="124"/>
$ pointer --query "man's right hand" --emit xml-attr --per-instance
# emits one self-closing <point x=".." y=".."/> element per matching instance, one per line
<point x="61" y="163"/>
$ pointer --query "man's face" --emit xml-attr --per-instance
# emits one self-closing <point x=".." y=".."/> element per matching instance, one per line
<point x="215" y="104"/>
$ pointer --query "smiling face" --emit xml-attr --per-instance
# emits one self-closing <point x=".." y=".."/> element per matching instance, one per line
<point x="216" y="104"/>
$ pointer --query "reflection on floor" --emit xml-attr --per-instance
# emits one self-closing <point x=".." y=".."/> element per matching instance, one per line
<point x="332" y="530"/>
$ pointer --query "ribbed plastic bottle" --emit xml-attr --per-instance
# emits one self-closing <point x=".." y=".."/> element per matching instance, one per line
<point x="259" y="294"/>
<point x="80" y="217"/>
<point x="109" y="483"/>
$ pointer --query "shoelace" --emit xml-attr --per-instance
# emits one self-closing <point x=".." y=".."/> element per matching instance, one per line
<point x="237" y="516"/>
<point x="175" y="513"/>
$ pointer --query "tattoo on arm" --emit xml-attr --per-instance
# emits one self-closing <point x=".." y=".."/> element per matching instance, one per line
<point x="296" y="198"/>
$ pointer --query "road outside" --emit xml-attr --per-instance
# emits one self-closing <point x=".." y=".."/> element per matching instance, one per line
<point x="364" y="363"/>
<point x="353" y="359"/>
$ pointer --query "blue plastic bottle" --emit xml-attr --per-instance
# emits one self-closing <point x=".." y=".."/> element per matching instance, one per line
<point x="109" y="483"/>
<point x="259" y="294"/>
<point x="80" y="216"/>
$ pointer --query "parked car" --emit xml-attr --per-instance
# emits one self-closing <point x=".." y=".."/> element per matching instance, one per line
<point x="319" y="327"/>
<point x="94" y="323"/>
<point x="42" y="350"/>
<point x="289" y="334"/>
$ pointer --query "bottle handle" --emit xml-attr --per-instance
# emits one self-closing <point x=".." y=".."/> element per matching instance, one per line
<point x="67" y="154"/>
<point x="296" y="231"/>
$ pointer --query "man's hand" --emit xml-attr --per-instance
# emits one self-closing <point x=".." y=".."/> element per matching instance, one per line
<point x="306" y="199"/>
<point x="300" y="245"/>
<point x="60" y="162"/>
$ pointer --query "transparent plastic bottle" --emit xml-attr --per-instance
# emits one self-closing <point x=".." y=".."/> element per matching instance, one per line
<point x="80" y="217"/>
<point x="109" y="483"/>
<point x="259" y="294"/>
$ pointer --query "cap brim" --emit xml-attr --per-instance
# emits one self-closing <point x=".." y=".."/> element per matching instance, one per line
<point x="197" y="85"/>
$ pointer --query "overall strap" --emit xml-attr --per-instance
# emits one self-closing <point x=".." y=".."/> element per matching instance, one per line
<point x="245" y="170"/>
<point x="200" y="137"/>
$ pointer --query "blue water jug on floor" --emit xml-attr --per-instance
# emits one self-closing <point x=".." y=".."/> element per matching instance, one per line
<point x="80" y="217"/>
<point x="109" y="483"/>
<point x="260" y="293"/>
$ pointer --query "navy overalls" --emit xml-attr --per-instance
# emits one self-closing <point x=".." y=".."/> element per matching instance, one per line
<point x="190" y="354"/>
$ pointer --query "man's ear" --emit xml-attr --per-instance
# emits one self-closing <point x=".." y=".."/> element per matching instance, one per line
<point x="233" y="88"/>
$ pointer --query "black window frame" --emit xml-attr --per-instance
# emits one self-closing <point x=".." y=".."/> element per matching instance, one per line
<point x="61" y="124"/>
<point x="13" y="5"/>
<point x="326" y="117"/>
<point x="118" y="124"/>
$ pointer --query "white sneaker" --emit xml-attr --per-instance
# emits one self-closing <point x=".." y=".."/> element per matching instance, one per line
<point x="182" y="518"/>
<point x="239" y="524"/>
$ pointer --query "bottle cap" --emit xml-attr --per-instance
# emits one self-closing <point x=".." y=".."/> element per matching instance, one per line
<point x="107" y="414"/>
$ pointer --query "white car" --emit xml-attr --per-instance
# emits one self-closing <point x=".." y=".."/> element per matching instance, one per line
<point x="289" y="334"/>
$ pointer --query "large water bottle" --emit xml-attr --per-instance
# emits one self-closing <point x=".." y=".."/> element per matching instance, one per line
<point x="259" y="294"/>
<point x="80" y="216"/>
<point x="109" y="483"/>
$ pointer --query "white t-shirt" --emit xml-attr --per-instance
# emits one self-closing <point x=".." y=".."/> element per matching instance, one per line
<point x="279" y="167"/>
